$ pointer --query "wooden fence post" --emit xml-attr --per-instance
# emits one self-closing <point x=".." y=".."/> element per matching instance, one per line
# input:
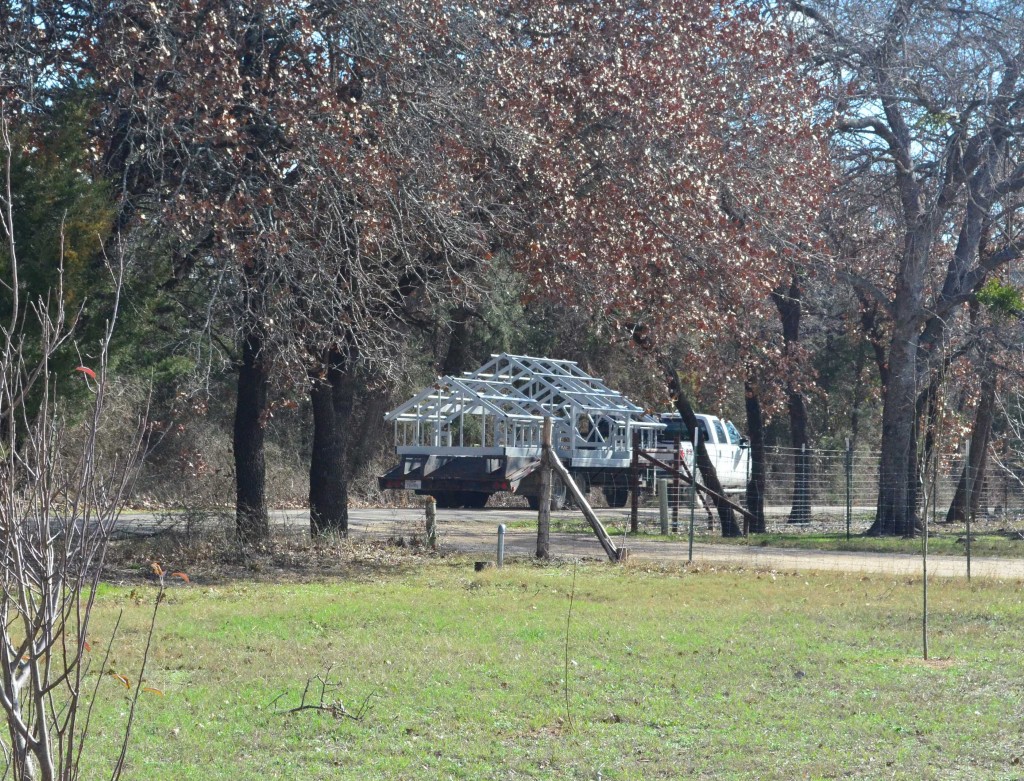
<point x="544" y="513"/>
<point x="431" y="523"/>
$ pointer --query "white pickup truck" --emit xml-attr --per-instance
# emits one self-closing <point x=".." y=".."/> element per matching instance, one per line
<point x="729" y="451"/>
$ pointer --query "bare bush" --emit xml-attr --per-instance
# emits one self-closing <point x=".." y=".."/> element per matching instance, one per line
<point x="59" y="503"/>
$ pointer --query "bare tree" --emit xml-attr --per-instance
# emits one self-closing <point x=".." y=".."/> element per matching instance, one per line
<point x="58" y="507"/>
<point x="930" y="102"/>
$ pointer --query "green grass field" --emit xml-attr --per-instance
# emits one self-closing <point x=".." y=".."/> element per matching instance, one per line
<point x="671" y="674"/>
<point x="939" y="544"/>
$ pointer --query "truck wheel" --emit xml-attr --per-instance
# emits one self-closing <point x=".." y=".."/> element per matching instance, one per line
<point x="615" y="495"/>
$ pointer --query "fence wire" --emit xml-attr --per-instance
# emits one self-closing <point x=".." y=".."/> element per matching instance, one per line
<point x="836" y="480"/>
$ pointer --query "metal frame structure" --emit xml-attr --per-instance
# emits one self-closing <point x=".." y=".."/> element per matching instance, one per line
<point x="499" y="410"/>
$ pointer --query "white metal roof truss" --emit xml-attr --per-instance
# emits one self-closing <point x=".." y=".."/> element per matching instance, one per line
<point x="504" y="403"/>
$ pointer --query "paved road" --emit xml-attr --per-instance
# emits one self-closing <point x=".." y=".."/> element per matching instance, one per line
<point x="475" y="531"/>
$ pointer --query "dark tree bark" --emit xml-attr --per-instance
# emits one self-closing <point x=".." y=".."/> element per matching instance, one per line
<point x="756" y="485"/>
<point x="367" y="427"/>
<point x="459" y="355"/>
<point x="788" y="302"/>
<point x="348" y="419"/>
<point x="896" y="512"/>
<point x="726" y="515"/>
<point x="252" y="523"/>
<point x="973" y="474"/>
<point x="871" y="325"/>
<point x="332" y="396"/>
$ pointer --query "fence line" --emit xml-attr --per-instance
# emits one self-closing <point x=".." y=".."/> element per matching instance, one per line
<point x="836" y="479"/>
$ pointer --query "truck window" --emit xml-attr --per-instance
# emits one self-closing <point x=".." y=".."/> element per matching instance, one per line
<point x="734" y="433"/>
<point x="702" y="426"/>
<point x="720" y="431"/>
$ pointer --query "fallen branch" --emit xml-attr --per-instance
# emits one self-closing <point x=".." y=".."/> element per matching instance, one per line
<point x="315" y="698"/>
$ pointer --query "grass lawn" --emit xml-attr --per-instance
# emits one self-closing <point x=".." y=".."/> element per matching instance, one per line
<point x="942" y="543"/>
<point x="671" y="674"/>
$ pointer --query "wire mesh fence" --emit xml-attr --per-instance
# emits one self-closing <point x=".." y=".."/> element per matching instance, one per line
<point x="837" y="489"/>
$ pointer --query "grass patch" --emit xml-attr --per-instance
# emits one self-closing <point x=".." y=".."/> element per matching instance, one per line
<point x="944" y="541"/>
<point x="672" y="674"/>
<point x="940" y="544"/>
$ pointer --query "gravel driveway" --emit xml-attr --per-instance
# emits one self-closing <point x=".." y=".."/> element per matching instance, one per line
<point x="475" y="532"/>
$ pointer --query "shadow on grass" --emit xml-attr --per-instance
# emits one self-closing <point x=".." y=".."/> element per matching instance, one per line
<point x="214" y="556"/>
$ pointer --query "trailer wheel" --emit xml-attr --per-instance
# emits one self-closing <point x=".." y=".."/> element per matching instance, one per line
<point x="615" y="495"/>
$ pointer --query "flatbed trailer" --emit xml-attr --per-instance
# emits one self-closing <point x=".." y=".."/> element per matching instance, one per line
<point x="464" y="438"/>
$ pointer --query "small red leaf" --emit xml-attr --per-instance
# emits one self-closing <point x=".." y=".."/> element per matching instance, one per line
<point x="152" y="690"/>
<point x="181" y="575"/>
<point x="86" y="371"/>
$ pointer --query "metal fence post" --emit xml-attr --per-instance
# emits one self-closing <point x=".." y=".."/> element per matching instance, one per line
<point x="501" y="545"/>
<point x="693" y="494"/>
<point x="634" y="485"/>
<point x="849" y="486"/>
<point x="677" y="462"/>
<point x="746" y="497"/>
<point x="967" y="502"/>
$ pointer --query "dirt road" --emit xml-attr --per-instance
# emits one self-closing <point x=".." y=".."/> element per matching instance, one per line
<point x="475" y="532"/>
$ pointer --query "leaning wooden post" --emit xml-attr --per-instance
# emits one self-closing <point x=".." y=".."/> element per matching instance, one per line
<point x="544" y="513"/>
<point x="614" y="554"/>
<point x="634" y="485"/>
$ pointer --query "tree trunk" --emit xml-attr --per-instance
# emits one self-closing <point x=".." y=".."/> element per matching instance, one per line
<point x="874" y="333"/>
<point x="333" y="397"/>
<point x="458" y="356"/>
<point x="896" y="513"/>
<point x="974" y="468"/>
<point x="789" y="305"/>
<point x="800" y="510"/>
<point x="251" y="519"/>
<point x="726" y="515"/>
<point x="756" y="484"/>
